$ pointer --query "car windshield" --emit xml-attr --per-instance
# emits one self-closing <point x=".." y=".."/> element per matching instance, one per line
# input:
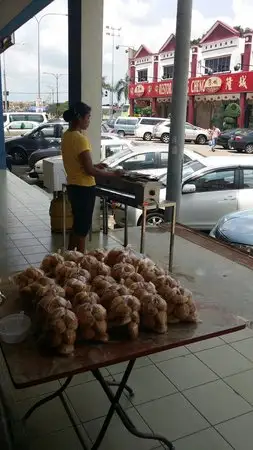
<point x="188" y="169"/>
<point x="112" y="160"/>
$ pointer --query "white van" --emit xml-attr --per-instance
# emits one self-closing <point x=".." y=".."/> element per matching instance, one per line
<point x="145" y="125"/>
<point x="24" y="117"/>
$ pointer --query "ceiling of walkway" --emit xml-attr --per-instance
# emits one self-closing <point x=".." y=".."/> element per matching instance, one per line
<point x="14" y="13"/>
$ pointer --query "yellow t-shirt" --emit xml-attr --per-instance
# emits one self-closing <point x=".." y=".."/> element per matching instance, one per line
<point x="73" y="143"/>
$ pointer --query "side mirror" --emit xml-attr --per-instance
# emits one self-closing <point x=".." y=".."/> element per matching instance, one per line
<point x="189" y="189"/>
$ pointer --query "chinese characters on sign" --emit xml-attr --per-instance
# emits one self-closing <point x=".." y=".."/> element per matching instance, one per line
<point x="224" y="83"/>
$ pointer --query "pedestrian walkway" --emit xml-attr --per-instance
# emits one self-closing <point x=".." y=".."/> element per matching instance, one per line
<point x="200" y="396"/>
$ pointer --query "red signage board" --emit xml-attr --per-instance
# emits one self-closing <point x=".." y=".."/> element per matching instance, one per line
<point x="229" y="83"/>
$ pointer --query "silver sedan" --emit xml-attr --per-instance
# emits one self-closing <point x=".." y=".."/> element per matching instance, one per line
<point x="210" y="189"/>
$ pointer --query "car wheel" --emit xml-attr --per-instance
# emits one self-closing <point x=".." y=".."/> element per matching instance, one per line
<point x="201" y="139"/>
<point x="19" y="156"/>
<point x="165" y="138"/>
<point x="147" y="136"/>
<point x="121" y="133"/>
<point x="226" y="147"/>
<point x="153" y="219"/>
<point x="249" y="149"/>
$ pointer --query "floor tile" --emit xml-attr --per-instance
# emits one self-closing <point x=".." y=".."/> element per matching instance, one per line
<point x="149" y="384"/>
<point x="22" y="235"/>
<point x="204" y="440"/>
<point x="119" y="368"/>
<point x="186" y="372"/>
<point x="14" y="260"/>
<point x="238" y="432"/>
<point x="20" y="243"/>
<point x="242" y="384"/>
<point x="36" y="258"/>
<point x="90" y="401"/>
<point x="238" y="335"/>
<point x="245" y="347"/>
<point x="46" y="419"/>
<point x="32" y="392"/>
<point x="63" y="440"/>
<point x="117" y="437"/>
<point x="85" y="377"/>
<point x="172" y="416"/>
<point x="205" y="345"/>
<point x="31" y="250"/>
<point x="169" y="354"/>
<point x="224" y="360"/>
<point x="217" y="401"/>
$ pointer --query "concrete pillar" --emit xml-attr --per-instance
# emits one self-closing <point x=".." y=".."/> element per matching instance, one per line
<point x="247" y="52"/>
<point x="85" y="70"/>
<point x="155" y="69"/>
<point x="194" y="61"/>
<point x="190" y="111"/>
<point x="2" y="146"/>
<point x="243" y="104"/>
<point x="154" y="107"/>
<point x="131" y="69"/>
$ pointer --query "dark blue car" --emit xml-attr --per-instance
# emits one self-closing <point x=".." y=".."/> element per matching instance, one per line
<point x="236" y="229"/>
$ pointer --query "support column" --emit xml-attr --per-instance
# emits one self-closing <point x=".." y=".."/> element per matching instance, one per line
<point x="131" y="69"/>
<point x="190" y="114"/>
<point x="154" y="107"/>
<point x="247" y="51"/>
<point x="243" y="104"/>
<point x="85" y="69"/>
<point x="131" y="109"/>
<point x="179" y="104"/>
<point x="2" y="145"/>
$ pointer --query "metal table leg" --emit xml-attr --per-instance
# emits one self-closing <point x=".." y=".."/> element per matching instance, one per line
<point x="143" y="229"/>
<point x="172" y="237"/>
<point x="103" y="203"/>
<point x="126" y="226"/>
<point x="116" y="407"/>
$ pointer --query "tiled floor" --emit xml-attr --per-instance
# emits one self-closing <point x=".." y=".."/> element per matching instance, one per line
<point x="199" y="396"/>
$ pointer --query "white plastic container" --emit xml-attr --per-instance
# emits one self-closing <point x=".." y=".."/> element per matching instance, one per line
<point x="14" y="328"/>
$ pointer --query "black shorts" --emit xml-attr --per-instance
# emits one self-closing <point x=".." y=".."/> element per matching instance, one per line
<point x="82" y="200"/>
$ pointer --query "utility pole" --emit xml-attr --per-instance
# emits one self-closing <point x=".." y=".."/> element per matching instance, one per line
<point x="5" y="85"/>
<point x="113" y="32"/>
<point x="56" y="76"/>
<point x="179" y="104"/>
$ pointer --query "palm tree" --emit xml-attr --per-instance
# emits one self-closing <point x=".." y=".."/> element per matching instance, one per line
<point x="121" y="88"/>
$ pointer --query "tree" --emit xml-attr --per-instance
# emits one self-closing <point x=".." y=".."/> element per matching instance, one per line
<point x="121" y="88"/>
<point x="242" y="30"/>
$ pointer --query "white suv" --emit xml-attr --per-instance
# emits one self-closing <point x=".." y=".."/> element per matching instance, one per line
<point x="144" y="128"/>
<point x="192" y="133"/>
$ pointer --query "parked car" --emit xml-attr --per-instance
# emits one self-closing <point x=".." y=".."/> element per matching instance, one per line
<point x="225" y="136"/>
<point x="192" y="133"/>
<point x="110" y="145"/>
<point x="18" y="128"/>
<point x="236" y="229"/>
<point x="144" y="128"/>
<point x="216" y="186"/>
<point x="42" y="137"/>
<point x="125" y="126"/>
<point x="242" y="142"/>
<point x="24" y="117"/>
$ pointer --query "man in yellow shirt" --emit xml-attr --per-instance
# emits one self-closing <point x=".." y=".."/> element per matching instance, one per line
<point x="76" y="155"/>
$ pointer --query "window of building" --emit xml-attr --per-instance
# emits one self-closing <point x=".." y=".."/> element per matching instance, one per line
<point x="217" y="65"/>
<point x="142" y="75"/>
<point x="168" y="72"/>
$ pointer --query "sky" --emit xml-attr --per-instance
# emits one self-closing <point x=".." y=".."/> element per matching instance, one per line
<point x="148" y="22"/>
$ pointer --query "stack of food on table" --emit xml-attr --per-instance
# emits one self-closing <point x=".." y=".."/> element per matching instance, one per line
<point x="75" y="297"/>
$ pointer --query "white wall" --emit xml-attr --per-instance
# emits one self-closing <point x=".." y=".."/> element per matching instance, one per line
<point x="145" y="63"/>
<point x="233" y="47"/>
<point x="165" y="59"/>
